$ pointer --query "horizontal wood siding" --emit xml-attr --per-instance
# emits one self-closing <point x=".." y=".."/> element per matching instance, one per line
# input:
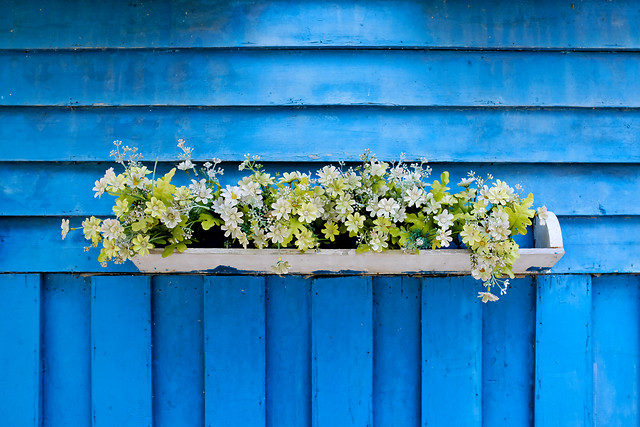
<point x="543" y="94"/>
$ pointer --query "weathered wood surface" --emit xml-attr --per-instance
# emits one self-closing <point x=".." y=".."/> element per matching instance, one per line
<point x="380" y="349"/>
<point x="440" y="134"/>
<point x="506" y="24"/>
<point x="319" y="78"/>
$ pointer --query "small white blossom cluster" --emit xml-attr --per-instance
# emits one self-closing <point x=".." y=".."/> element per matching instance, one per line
<point x="373" y="207"/>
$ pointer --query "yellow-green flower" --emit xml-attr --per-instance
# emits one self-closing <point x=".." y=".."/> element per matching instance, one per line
<point x="354" y="222"/>
<point x="91" y="228"/>
<point x="305" y="240"/>
<point x="121" y="207"/>
<point x="155" y="208"/>
<point x="331" y="230"/>
<point x="141" y="244"/>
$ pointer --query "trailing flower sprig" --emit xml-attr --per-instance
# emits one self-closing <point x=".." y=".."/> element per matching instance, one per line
<point x="373" y="207"/>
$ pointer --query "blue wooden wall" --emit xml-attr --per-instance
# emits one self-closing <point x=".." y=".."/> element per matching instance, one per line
<point x="544" y="94"/>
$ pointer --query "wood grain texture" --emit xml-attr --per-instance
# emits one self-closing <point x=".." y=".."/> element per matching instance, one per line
<point x="397" y="351"/>
<point x="596" y="189"/>
<point x="616" y="350"/>
<point x="451" y="354"/>
<point x="234" y="351"/>
<point x="508" y="356"/>
<point x="564" y="365"/>
<point x="178" y="350"/>
<point x="121" y="372"/>
<point x="188" y="23"/>
<point x="323" y="77"/>
<point x="21" y="350"/>
<point x="321" y="134"/>
<point x="288" y="351"/>
<point x="66" y="338"/>
<point x="342" y="351"/>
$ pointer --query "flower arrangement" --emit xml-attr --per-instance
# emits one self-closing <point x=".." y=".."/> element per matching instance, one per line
<point x="373" y="207"/>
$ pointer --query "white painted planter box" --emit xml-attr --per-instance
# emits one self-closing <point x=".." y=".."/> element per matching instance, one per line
<point x="548" y="250"/>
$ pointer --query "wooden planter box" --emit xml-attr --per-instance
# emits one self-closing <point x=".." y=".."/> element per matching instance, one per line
<point x="548" y="250"/>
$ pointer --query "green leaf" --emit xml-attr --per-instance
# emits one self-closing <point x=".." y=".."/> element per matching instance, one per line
<point x="168" y="251"/>
<point x="143" y="225"/>
<point x="163" y="187"/>
<point x="439" y="189"/>
<point x="520" y="215"/>
<point x="362" y="248"/>
<point x="209" y="221"/>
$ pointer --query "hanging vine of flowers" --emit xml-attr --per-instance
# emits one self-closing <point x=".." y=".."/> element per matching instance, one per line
<point x="374" y="207"/>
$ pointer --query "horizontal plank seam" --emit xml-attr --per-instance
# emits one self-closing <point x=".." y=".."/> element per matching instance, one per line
<point x="293" y="107"/>
<point x="321" y="47"/>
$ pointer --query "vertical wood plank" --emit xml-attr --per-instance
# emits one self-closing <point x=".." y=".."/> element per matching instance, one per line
<point x="396" y="351"/>
<point x="20" y="350"/>
<point x="508" y="334"/>
<point x="121" y="364"/>
<point x="234" y="351"/>
<point x="288" y="351"/>
<point x="67" y="350"/>
<point x="341" y="331"/>
<point x="451" y="352"/>
<point x="178" y="350"/>
<point x="563" y="388"/>
<point x="616" y="350"/>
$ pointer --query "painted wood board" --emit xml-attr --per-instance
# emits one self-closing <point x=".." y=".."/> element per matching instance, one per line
<point x="288" y="346"/>
<point x="323" y="77"/>
<point x="508" y="356"/>
<point x="397" y="367"/>
<point x="341" y="351"/>
<point x="121" y="365"/>
<point x="481" y="134"/>
<point x="451" y="352"/>
<point x="616" y="350"/>
<point x="178" y="350"/>
<point x="234" y="351"/>
<point x="66" y="338"/>
<point x="161" y="24"/>
<point x="21" y="350"/>
<point x="563" y="351"/>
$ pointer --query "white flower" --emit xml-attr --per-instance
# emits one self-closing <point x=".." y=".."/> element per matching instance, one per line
<point x="65" y="228"/>
<point x="378" y="242"/>
<point x="171" y="217"/>
<point x="281" y="209"/>
<point x="352" y="181"/>
<point x="281" y="267"/>
<point x="200" y="190"/>
<point x="387" y="208"/>
<point x="112" y="229"/>
<point x="308" y="212"/>
<point x="431" y="206"/>
<point x="231" y="194"/>
<point x="231" y="216"/>
<point x="465" y="182"/>
<point x="482" y="271"/>
<point x="444" y="220"/>
<point x="278" y="233"/>
<point x="344" y="205"/>
<point x="328" y="174"/>
<point x="378" y="168"/>
<point x="487" y="296"/>
<point x="543" y="216"/>
<point x="415" y="196"/>
<point x="444" y="237"/>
